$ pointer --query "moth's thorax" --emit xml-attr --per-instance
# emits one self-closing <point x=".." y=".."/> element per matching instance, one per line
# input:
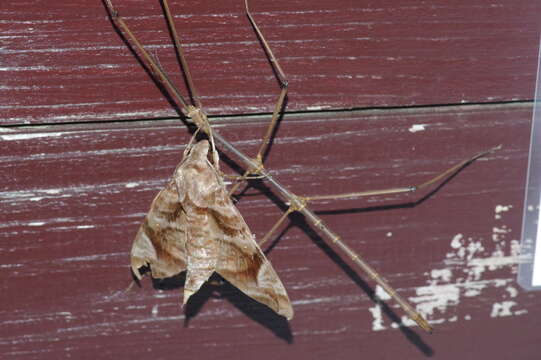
<point x="199" y="151"/>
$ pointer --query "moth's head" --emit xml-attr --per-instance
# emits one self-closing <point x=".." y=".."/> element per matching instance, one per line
<point x="200" y="150"/>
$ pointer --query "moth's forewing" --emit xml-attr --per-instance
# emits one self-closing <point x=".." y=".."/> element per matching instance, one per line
<point x="161" y="240"/>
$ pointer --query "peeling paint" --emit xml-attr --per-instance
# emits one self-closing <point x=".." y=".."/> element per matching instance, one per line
<point x="377" y="323"/>
<point x="467" y="271"/>
<point x="417" y="127"/>
<point x="501" y="309"/>
<point x="456" y="243"/>
<point x="499" y="209"/>
<point x="382" y="294"/>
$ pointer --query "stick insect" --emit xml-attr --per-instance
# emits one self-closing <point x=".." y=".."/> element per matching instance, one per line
<point x="255" y="167"/>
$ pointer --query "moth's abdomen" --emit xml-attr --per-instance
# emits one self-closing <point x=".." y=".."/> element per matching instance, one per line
<point x="201" y="249"/>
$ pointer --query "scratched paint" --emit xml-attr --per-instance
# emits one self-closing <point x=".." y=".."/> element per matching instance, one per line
<point x="467" y="272"/>
<point x="417" y="127"/>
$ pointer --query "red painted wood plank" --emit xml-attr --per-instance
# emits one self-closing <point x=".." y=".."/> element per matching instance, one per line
<point x="72" y="199"/>
<point x="65" y="63"/>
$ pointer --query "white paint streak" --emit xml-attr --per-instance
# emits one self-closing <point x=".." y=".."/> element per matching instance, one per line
<point x="84" y="226"/>
<point x="417" y="127"/>
<point x="52" y="191"/>
<point x="29" y="136"/>
<point x="316" y="108"/>
<point x="131" y="185"/>
<point x="7" y="266"/>
<point x="36" y="223"/>
<point x="315" y="301"/>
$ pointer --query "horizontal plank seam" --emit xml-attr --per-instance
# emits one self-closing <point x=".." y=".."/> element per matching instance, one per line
<point x="263" y="117"/>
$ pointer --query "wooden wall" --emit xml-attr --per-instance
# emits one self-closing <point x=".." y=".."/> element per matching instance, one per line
<point x="381" y="94"/>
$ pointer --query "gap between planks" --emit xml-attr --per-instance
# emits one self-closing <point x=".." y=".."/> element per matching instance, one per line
<point x="263" y="117"/>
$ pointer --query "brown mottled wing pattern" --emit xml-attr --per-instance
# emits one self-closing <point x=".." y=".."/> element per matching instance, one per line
<point x="243" y="264"/>
<point x="161" y="239"/>
<point x="241" y="261"/>
<point x="204" y="232"/>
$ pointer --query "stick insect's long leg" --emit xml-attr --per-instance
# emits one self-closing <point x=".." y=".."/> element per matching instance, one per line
<point x="301" y="201"/>
<point x="281" y="78"/>
<point x="443" y="175"/>
<point x="197" y="115"/>
<point x="151" y="60"/>
<point x="279" y="102"/>
<point x="180" y="54"/>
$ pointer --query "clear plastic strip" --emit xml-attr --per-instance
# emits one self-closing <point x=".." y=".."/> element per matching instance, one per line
<point x="529" y="274"/>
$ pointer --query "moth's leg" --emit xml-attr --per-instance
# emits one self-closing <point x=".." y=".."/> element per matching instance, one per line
<point x="282" y="80"/>
<point x="180" y="55"/>
<point x="148" y="57"/>
<point x="443" y="175"/>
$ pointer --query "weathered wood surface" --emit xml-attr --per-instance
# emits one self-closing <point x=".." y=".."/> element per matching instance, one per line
<point x="73" y="196"/>
<point x="65" y="63"/>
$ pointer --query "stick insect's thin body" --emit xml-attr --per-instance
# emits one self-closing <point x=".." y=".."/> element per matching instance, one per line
<point x="255" y="166"/>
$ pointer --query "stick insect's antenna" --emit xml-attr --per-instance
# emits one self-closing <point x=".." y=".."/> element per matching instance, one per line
<point x="156" y="69"/>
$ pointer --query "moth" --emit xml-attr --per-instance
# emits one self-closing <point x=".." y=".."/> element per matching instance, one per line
<point x="194" y="226"/>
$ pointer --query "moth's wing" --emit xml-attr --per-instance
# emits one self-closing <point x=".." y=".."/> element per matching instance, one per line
<point x="243" y="264"/>
<point x="161" y="240"/>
